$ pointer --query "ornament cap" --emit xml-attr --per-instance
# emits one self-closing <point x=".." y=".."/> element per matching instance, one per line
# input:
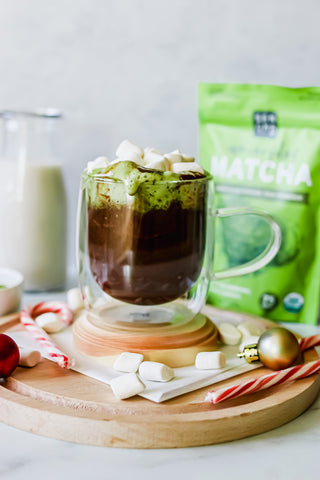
<point x="250" y="353"/>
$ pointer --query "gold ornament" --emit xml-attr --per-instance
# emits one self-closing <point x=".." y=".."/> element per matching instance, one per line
<point x="277" y="348"/>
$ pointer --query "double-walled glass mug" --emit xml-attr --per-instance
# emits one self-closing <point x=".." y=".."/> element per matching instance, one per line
<point x="145" y="254"/>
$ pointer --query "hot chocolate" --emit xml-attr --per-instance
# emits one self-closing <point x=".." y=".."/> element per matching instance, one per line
<point x="146" y="232"/>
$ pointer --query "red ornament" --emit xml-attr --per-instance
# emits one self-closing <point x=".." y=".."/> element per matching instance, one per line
<point x="9" y="355"/>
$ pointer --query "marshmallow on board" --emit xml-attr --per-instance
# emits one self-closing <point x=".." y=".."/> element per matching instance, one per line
<point x="229" y="334"/>
<point x="29" y="357"/>
<point x="156" y="372"/>
<point x="126" y="385"/>
<point x="128" y="362"/>
<point x="74" y="299"/>
<point x="210" y="360"/>
<point x="50" y="322"/>
<point x="250" y="329"/>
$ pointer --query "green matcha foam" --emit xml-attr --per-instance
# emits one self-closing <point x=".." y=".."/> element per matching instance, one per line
<point x="125" y="182"/>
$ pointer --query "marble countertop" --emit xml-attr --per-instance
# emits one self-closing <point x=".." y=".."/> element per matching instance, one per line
<point x="290" y="451"/>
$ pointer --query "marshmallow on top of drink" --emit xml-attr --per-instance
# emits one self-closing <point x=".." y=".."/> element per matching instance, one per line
<point x="149" y="158"/>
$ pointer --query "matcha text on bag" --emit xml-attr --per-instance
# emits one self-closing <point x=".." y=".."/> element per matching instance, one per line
<point x="262" y="145"/>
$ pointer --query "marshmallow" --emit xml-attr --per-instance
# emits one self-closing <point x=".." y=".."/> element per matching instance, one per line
<point x="187" y="158"/>
<point x="89" y="294"/>
<point x="100" y="162"/>
<point x="154" y="159"/>
<point x="249" y="329"/>
<point x="229" y="334"/>
<point x="186" y="167"/>
<point x="156" y="372"/>
<point x="29" y="357"/>
<point x="174" y="157"/>
<point x="129" y="151"/>
<point x="128" y="362"/>
<point x="158" y="164"/>
<point x="149" y="157"/>
<point x="210" y="360"/>
<point x="74" y="299"/>
<point x="126" y="386"/>
<point x="149" y="151"/>
<point x="50" y="322"/>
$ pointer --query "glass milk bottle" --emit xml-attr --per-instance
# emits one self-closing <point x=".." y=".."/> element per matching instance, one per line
<point x="32" y="199"/>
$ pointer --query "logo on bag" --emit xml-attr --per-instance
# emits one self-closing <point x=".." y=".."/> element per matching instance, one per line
<point x="265" y="124"/>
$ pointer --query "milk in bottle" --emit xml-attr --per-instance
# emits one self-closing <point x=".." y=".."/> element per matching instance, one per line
<point x="32" y="200"/>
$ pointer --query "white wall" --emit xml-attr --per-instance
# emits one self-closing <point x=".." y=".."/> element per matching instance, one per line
<point x="129" y="68"/>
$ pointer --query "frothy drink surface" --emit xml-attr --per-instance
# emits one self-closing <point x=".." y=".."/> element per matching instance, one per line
<point x="146" y="247"/>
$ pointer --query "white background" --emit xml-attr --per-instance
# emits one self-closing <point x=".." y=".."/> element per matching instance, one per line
<point x="129" y="68"/>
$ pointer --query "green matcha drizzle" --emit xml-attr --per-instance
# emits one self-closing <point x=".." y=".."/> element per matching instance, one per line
<point x="125" y="182"/>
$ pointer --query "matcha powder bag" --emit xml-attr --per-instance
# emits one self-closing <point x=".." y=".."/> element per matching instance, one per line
<point x="262" y="145"/>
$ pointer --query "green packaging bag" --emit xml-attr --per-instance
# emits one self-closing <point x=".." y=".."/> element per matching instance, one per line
<point x="262" y="145"/>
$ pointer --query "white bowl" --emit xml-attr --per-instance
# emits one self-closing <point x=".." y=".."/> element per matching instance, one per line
<point x="10" y="294"/>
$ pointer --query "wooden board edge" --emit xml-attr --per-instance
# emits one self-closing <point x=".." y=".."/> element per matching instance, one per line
<point x="121" y="433"/>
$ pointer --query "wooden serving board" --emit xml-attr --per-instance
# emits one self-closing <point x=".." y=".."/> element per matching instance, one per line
<point x="66" y="405"/>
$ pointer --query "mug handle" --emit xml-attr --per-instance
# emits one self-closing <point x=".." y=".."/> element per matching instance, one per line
<point x="266" y="256"/>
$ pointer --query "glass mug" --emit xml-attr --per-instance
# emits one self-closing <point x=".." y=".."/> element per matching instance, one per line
<point x="147" y="258"/>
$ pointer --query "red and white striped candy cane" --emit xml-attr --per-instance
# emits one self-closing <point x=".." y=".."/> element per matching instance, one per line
<point x="309" y="342"/>
<point x="263" y="382"/>
<point x="27" y="317"/>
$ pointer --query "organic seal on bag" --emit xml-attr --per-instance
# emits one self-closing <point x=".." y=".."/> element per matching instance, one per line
<point x="262" y="145"/>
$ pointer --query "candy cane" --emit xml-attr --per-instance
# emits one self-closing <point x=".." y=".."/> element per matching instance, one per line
<point x="263" y="382"/>
<point x="309" y="342"/>
<point x="27" y="317"/>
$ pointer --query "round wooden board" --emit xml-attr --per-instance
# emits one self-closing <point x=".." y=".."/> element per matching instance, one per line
<point x="66" y="405"/>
